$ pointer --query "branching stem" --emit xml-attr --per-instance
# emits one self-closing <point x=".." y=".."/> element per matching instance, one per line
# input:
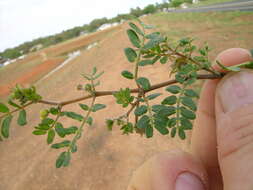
<point x="135" y="90"/>
<point x="13" y="111"/>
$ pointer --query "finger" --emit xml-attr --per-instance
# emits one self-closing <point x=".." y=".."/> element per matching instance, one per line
<point x="174" y="170"/>
<point x="204" y="133"/>
<point x="234" y="110"/>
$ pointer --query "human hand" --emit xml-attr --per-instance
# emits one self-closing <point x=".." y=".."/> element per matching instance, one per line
<point x="222" y="140"/>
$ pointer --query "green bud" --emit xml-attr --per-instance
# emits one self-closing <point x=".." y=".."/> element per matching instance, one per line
<point x="43" y="114"/>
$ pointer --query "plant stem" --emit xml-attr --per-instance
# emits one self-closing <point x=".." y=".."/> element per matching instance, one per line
<point x="135" y="90"/>
<point x="13" y="111"/>
<point x="79" y="131"/>
<point x="149" y="111"/>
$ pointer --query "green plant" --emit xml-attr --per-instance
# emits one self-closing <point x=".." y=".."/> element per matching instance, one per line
<point x="172" y="116"/>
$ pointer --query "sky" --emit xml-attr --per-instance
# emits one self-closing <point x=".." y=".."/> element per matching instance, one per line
<point x="25" y="20"/>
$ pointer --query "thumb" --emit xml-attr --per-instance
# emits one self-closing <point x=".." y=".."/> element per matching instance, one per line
<point x="234" y="117"/>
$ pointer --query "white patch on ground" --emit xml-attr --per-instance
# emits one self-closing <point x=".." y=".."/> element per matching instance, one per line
<point x="71" y="56"/>
<point x="105" y="26"/>
<point x="9" y="61"/>
<point x="92" y="45"/>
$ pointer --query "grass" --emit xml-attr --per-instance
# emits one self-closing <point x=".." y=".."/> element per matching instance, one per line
<point x="220" y="29"/>
<point x="210" y="2"/>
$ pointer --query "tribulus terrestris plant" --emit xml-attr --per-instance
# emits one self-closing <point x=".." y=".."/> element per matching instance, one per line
<point x="172" y="116"/>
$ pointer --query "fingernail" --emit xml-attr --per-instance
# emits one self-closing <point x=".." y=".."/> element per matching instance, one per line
<point x="236" y="90"/>
<point x="188" y="181"/>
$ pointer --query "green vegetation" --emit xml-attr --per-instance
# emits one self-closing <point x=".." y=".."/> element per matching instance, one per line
<point x="210" y="2"/>
<point x="177" y="3"/>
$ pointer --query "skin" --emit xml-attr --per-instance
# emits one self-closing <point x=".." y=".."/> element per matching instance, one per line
<point x="220" y="146"/>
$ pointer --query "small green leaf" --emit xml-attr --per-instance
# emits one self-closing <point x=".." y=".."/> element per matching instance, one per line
<point x="143" y="122"/>
<point x="173" y="132"/>
<point x="187" y="113"/>
<point x="247" y="65"/>
<point x="127" y="74"/>
<point x="191" y="93"/>
<point x="232" y="68"/>
<point x="4" y="108"/>
<point x="60" y="130"/>
<point x="74" y="116"/>
<point x="54" y="111"/>
<point x="164" y="60"/>
<point x="13" y="104"/>
<point x="180" y="78"/>
<point x="174" y="89"/>
<point x="133" y="37"/>
<point x="130" y="54"/>
<point x="65" y="143"/>
<point x="140" y="110"/>
<point x="22" y="118"/>
<point x="146" y="62"/>
<point x="136" y="28"/>
<point x="60" y="160"/>
<point x="157" y="108"/>
<point x="109" y="124"/>
<point x="153" y="35"/>
<point x="73" y="148"/>
<point x="84" y="107"/>
<point x="94" y="70"/>
<point x="47" y="121"/>
<point x="70" y="130"/>
<point x="6" y="126"/>
<point x="39" y="132"/>
<point x="144" y="83"/>
<point x="89" y="120"/>
<point x="161" y="124"/>
<point x="97" y="107"/>
<point x="156" y="59"/>
<point x="43" y="127"/>
<point x="188" y="102"/>
<point x="98" y="75"/>
<point x="170" y="100"/>
<point x="44" y="113"/>
<point x="172" y="122"/>
<point x="153" y="96"/>
<point x="154" y="42"/>
<point x="203" y="52"/>
<point x="166" y="111"/>
<point x="127" y="128"/>
<point x="50" y="136"/>
<point x="145" y="25"/>
<point x="66" y="159"/>
<point x="123" y="97"/>
<point x="149" y="131"/>
<point x="185" y="123"/>
<point x="181" y="133"/>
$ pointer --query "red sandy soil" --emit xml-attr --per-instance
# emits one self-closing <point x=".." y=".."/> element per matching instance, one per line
<point x="32" y="75"/>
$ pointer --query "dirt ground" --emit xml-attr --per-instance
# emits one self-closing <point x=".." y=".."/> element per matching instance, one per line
<point x="104" y="160"/>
